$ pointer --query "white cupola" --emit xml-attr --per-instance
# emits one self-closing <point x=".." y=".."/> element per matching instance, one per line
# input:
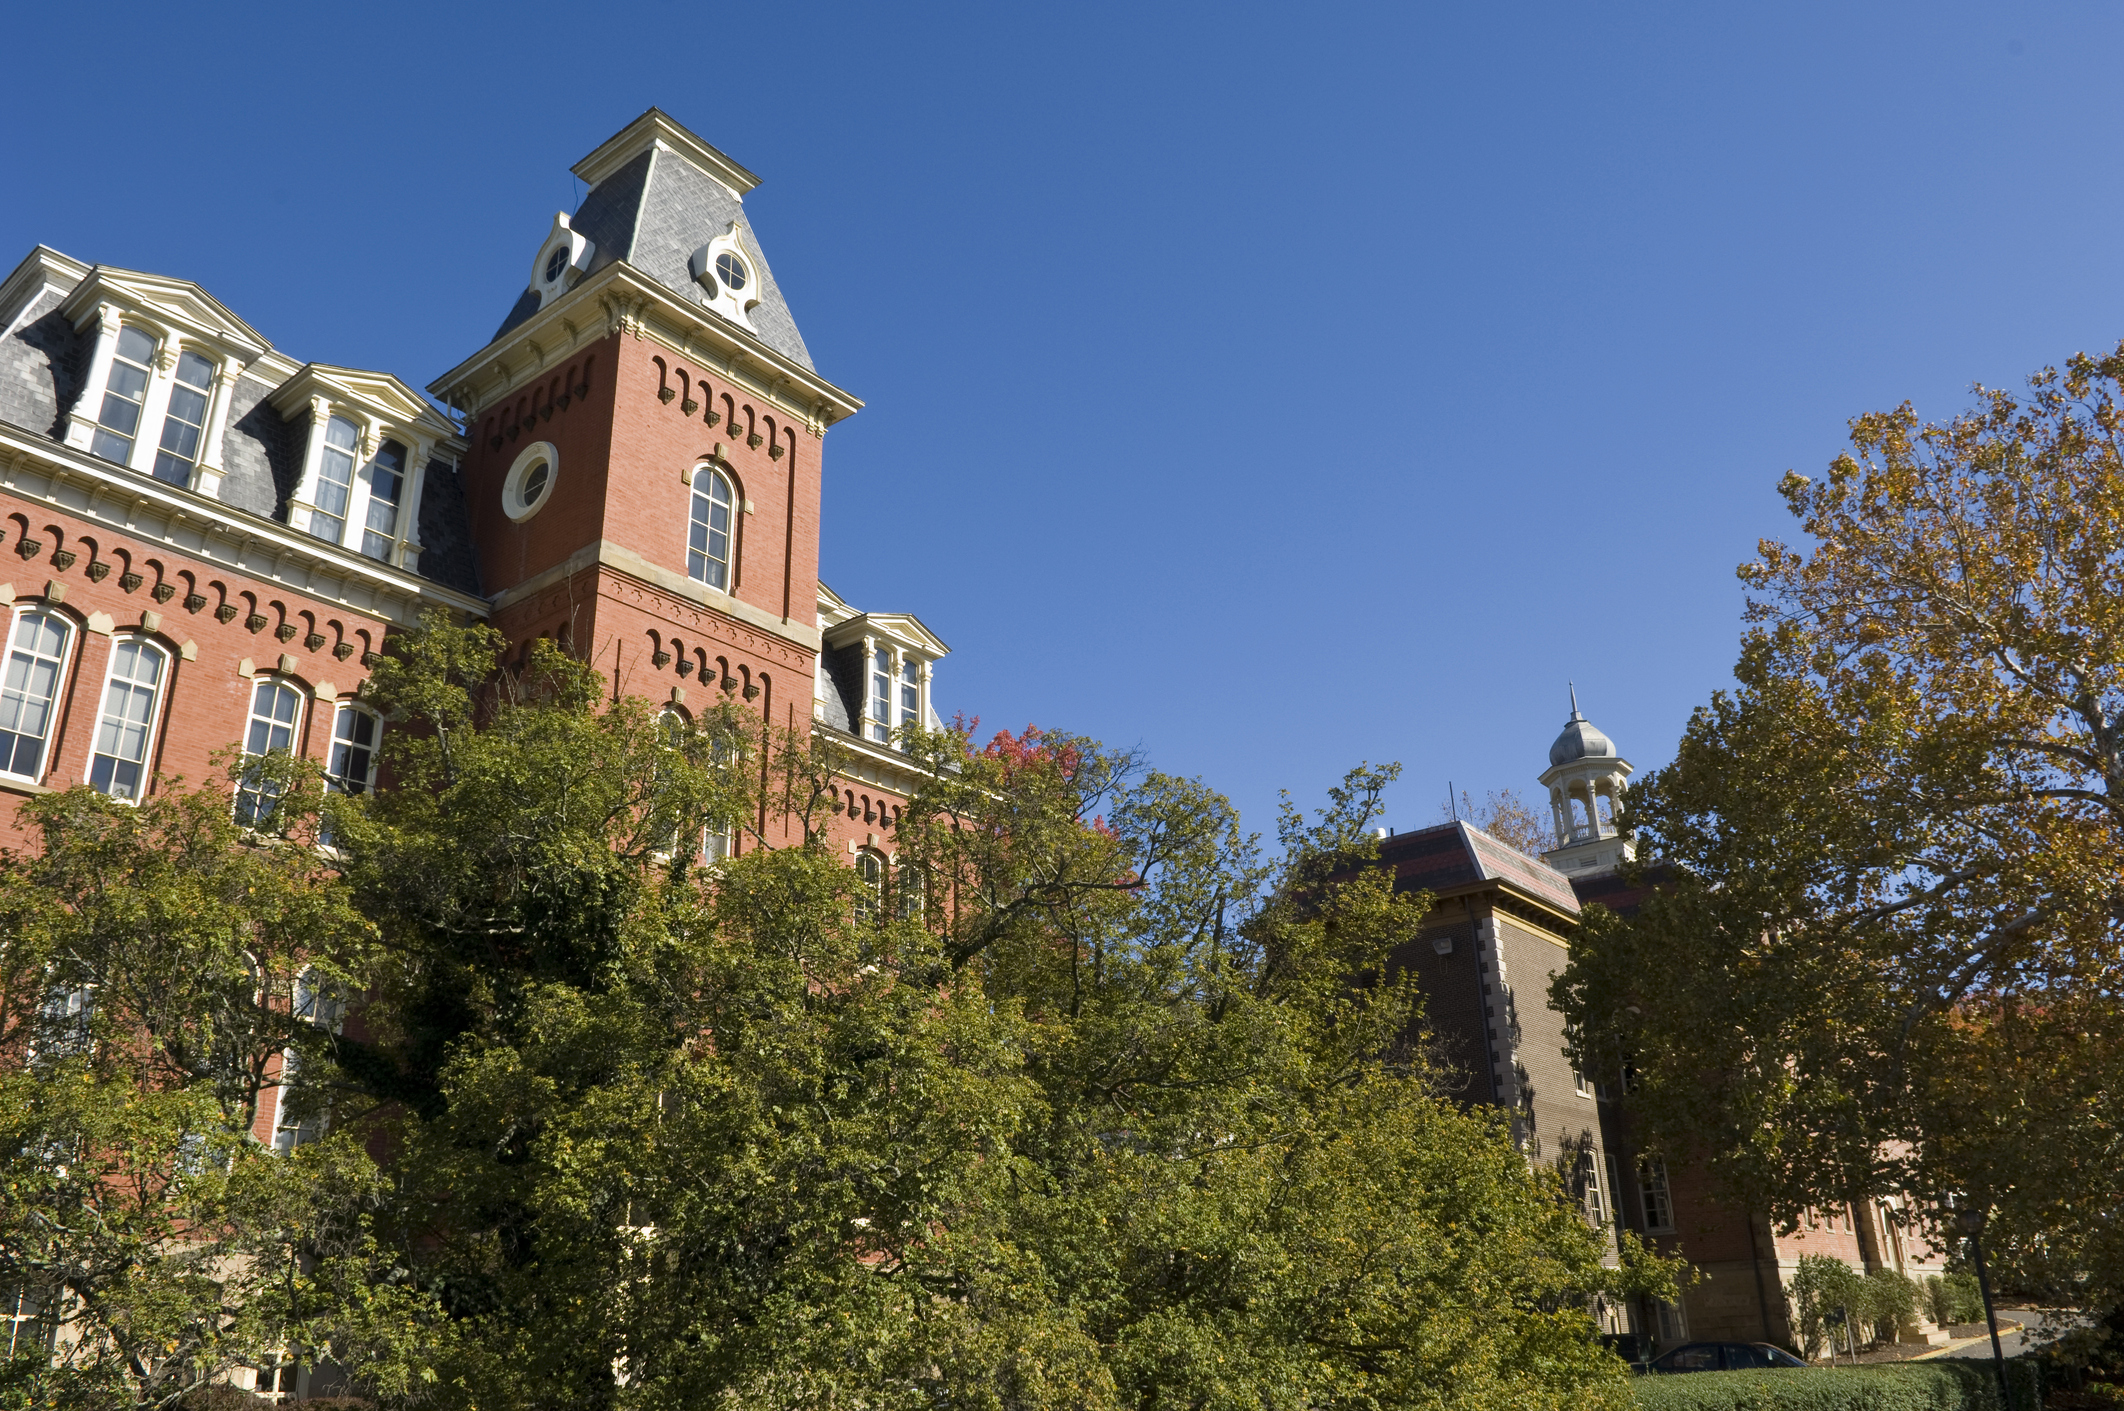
<point x="1586" y="780"/>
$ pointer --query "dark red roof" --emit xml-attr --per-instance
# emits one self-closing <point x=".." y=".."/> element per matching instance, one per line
<point x="1451" y="856"/>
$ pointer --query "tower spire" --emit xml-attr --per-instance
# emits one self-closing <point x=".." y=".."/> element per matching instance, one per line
<point x="1574" y="702"/>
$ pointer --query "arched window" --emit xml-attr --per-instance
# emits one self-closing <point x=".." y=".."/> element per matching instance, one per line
<point x="335" y="480"/>
<point x="123" y="392"/>
<point x="911" y="888"/>
<point x="708" y="539"/>
<point x="387" y="482"/>
<point x="352" y="766"/>
<point x="185" y="421"/>
<point x="276" y="711"/>
<point x="125" y="729"/>
<point x="870" y="871"/>
<point x="36" y="660"/>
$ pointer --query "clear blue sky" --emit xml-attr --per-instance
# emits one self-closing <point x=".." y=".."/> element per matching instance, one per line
<point x="1272" y="388"/>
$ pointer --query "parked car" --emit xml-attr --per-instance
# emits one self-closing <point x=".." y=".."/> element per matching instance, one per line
<point x="1724" y="1357"/>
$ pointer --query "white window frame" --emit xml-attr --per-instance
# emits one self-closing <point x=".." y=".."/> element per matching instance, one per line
<point x="871" y="868"/>
<point x="696" y="495"/>
<point x="294" y="747"/>
<point x="170" y="344"/>
<point x="159" y="694"/>
<point x="370" y="436"/>
<point x="367" y="476"/>
<point x="60" y="677"/>
<point x="172" y="383"/>
<point x="337" y="781"/>
<point x="102" y="393"/>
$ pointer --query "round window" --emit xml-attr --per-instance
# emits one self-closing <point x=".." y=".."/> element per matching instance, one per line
<point x="556" y="263"/>
<point x="732" y="269"/>
<point x="529" y="483"/>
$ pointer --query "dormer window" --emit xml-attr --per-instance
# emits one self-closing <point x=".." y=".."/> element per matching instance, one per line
<point x="123" y="392"/>
<point x="335" y="480"/>
<point x="881" y="674"/>
<point x="732" y="271"/>
<point x="387" y="479"/>
<point x="185" y="422"/>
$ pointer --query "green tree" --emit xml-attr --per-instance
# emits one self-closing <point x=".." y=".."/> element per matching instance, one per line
<point x="161" y="974"/>
<point x="1887" y="957"/>
<point x="1096" y="1107"/>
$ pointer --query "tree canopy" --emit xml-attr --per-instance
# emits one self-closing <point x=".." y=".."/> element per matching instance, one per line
<point x="1089" y="1104"/>
<point x="1885" y="955"/>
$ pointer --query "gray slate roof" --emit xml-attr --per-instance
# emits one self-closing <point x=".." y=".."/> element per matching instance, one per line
<point x="44" y="358"/>
<point x="654" y="212"/>
<point x="39" y="364"/>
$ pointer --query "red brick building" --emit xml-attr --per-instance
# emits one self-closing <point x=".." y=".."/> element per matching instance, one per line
<point x="203" y="540"/>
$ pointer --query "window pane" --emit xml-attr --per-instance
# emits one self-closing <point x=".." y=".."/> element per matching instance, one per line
<point x="127" y="723"/>
<point x="195" y="371"/>
<point x="708" y="535"/>
<point x="27" y="691"/>
<point x="353" y="765"/>
<point x="134" y="344"/>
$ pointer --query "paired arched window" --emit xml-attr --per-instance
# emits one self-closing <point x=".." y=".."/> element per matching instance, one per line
<point x="387" y="486"/>
<point x="36" y="661"/>
<point x="185" y="422"/>
<point x="708" y="537"/>
<point x="126" y="726"/>
<point x="276" y="712"/>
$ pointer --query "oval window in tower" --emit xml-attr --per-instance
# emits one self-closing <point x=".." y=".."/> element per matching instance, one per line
<point x="529" y="483"/>
<point x="732" y="270"/>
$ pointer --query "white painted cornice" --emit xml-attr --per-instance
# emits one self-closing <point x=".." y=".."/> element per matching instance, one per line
<point x="902" y="627"/>
<point x="656" y="129"/>
<point x="178" y="305"/>
<point x="620" y="298"/>
<point x="211" y="532"/>
<point x="43" y="268"/>
<point x="380" y="394"/>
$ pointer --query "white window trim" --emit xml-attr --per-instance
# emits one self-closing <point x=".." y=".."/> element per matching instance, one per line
<point x="250" y="713"/>
<point x="155" y="717"/>
<point x="68" y="658"/>
<point x="207" y="471"/>
<point x="513" y="504"/>
<point x="368" y="785"/>
<point x="370" y="434"/>
<point x="738" y="506"/>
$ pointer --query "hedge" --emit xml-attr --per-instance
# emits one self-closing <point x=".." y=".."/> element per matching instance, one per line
<point x="1957" y="1385"/>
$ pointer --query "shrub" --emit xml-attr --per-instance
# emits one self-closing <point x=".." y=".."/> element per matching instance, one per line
<point x="1955" y="1385"/>
<point x="1822" y="1288"/>
<point x="1891" y="1300"/>
<point x="1953" y="1299"/>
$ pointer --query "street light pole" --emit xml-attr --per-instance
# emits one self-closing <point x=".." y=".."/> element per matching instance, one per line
<point x="1972" y="1222"/>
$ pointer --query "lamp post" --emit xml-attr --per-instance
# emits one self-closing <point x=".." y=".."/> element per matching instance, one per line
<point x="1972" y="1223"/>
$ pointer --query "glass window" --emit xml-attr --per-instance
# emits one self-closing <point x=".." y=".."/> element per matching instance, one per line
<point x="128" y="721"/>
<point x="1589" y="1174"/>
<point x="1613" y="1167"/>
<point x="35" y="659"/>
<point x="352" y="768"/>
<point x="912" y="888"/>
<point x="183" y="425"/>
<point x="708" y="541"/>
<point x="910" y="692"/>
<point x="318" y="1003"/>
<point x="123" y="393"/>
<point x="732" y="270"/>
<point x="387" y="480"/>
<point x="1652" y="1182"/>
<point x="881" y="675"/>
<point x="291" y="1130"/>
<point x="335" y="481"/>
<point x="275" y="710"/>
<point x="870" y="871"/>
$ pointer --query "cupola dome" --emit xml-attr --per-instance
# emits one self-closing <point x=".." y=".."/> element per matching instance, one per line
<point x="1580" y="739"/>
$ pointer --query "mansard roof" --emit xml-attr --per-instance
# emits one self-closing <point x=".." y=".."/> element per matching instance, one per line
<point x="1461" y="857"/>
<point x="48" y="307"/>
<point x="658" y="193"/>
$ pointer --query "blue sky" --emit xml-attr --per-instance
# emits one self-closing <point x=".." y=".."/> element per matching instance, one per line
<point x="1273" y="388"/>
